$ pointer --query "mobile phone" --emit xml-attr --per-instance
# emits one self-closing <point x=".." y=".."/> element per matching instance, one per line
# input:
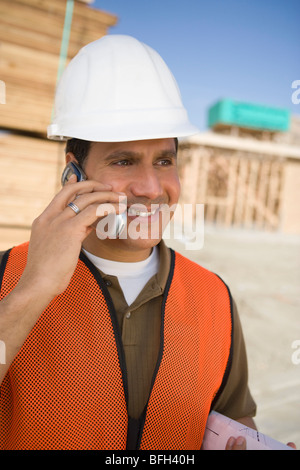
<point x="73" y="168"/>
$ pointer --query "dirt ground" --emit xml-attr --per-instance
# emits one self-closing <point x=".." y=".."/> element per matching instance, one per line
<point x="263" y="273"/>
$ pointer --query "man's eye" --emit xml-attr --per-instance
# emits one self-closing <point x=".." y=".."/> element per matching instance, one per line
<point x="165" y="162"/>
<point x="122" y="163"/>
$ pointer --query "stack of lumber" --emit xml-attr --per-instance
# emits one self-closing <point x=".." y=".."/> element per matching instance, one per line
<point x="30" y="174"/>
<point x="30" y="42"/>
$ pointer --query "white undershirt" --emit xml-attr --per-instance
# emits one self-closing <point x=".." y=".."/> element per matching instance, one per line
<point x="132" y="277"/>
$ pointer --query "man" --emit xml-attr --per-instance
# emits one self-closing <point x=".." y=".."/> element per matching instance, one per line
<point x="116" y="342"/>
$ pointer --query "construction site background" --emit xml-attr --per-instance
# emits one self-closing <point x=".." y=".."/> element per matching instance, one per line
<point x="248" y="181"/>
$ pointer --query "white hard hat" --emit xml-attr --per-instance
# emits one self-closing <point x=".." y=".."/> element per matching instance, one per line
<point x="118" y="89"/>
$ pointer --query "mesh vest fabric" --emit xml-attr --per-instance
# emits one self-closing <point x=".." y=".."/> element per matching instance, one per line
<point x="66" y="389"/>
<point x="197" y="342"/>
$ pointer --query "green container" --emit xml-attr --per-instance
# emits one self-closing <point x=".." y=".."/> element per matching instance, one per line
<point x="247" y="115"/>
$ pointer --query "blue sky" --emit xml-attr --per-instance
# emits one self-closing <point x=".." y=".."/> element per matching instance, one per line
<point x="247" y="50"/>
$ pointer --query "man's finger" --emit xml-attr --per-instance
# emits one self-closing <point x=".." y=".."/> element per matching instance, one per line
<point x="72" y="190"/>
<point x="238" y="443"/>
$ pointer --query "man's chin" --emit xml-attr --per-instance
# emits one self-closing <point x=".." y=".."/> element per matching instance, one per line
<point x="136" y="244"/>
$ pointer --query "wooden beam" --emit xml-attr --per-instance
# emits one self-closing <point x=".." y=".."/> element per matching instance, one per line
<point x="32" y="169"/>
<point x="58" y="7"/>
<point x="30" y="41"/>
<point x="211" y="139"/>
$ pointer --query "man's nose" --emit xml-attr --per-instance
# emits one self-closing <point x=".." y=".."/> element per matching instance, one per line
<point x="147" y="184"/>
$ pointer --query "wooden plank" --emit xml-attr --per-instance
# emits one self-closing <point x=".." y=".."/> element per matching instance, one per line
<point x="216" y="201"/>
<point x="31" y="177"/>
<point x="269" y="219"/>
<point x="21" y="211"/>
<point x="94" y="15"/>
<point x="251" y="191"/>
<point x="210" y="202"/>
<point x="26" y="67"/>
<point x="187" y="176"/>
<point x="14" y="34"/>
<point x="194" y="180"/>
<point x="223" y="176"/>
<point x="26" y="17"/>
<point x="50" y="15"/>
<point x="290" y="193"/>
<point x="38" y="40"/>
<point x="29" y="111"/>
<point x="232" y="182"/>
<point x="205" y="155"/>
<point x="12" y="236"/>
<point x="274" y="189"/>
<point x="240" y="192"/>
<point x="42" y="42"/>
<point x="58" y="7"/>
<point x="260" y="202"/>
<point x="29" y="89"/>
<point x="24" y="148"/>
<point x="210" y="209"/>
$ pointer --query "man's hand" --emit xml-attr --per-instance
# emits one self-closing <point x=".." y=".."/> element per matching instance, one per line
<point x="238" y="443"/>
<point x="57" y="234"/>
<point x="55" y="243"/>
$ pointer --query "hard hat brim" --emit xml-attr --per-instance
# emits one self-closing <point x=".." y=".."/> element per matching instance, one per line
<point x="122" y="131"/>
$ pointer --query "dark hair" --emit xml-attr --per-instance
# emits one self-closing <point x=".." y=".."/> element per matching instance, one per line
<point x="80" y="149"/>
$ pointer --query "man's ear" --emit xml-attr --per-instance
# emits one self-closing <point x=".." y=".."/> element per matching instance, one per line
<point x="70" y="157"/>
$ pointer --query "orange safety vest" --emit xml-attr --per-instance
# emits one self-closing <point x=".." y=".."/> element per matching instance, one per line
<point x="67" y="387"/>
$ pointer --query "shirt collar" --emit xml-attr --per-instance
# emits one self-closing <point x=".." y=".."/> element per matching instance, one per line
<point x="154" y="287"/>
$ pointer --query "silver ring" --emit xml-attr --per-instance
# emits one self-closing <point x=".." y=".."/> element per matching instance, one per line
<point x="74" y="207"/>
